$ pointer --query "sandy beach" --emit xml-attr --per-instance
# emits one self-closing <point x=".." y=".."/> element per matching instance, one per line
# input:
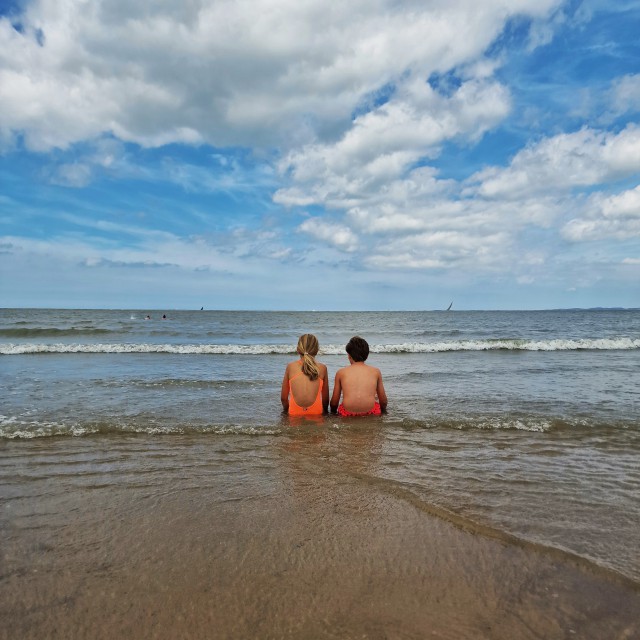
<point x="310" y="548"/>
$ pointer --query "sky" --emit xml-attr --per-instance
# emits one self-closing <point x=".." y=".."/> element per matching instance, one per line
<point x="320" y="155"/>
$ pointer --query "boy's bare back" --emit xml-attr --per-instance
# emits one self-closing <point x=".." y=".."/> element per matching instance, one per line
<point x="359" y="384"/>
<point x="361" y="387"/>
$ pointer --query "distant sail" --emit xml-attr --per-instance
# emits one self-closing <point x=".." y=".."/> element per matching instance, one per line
<point x="449" y="307"/>
<point x="201" y="308"/>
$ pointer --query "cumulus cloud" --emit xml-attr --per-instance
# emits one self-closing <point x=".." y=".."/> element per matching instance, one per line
<point x="624" y="205"/>
<point x="616" y="216"/>
<point x="335" y="235"/>
<point x="358" y="98"/>
<point x="563" y="162"/>
<point x="440" y="249"/>
<point x="384" y="142"/>
<point x="225" y="72"/>
<point x="414" y="220"/>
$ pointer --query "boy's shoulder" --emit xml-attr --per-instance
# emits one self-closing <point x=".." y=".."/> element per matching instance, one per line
<point x="373" y="372"/>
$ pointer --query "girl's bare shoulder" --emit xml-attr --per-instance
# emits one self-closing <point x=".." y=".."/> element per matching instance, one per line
<point x="293" y="367"/>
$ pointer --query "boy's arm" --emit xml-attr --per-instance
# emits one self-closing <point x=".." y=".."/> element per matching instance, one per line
<point x="382" y="395"/>
<point x="284" y="392"/>
<point x="337" y="390"/>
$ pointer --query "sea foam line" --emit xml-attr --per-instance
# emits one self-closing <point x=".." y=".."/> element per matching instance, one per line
<point x="512" y="345"/>
<point x="271" y="349"/>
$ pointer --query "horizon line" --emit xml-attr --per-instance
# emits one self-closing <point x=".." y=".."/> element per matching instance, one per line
<point x="243" y="310"/>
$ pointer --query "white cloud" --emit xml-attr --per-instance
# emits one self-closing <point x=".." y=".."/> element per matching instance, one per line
<point x="416" y="221"/>
<point x="335" y="235"/>
<point x="440" y="249"/>
<point x="625" y="94"/>
<point x="439" y="231"/>
<point x="384" y="142"/>
<point x="74" y="174"/>
<point x="108" y="156"/>
<point x="623" y="205"/>
<point x="285" y="73"/>
<point x="341" y="89"/>
<point x="616" y="216"/>
<point x="241" y="251"/>
<point x="225" y="72"/>
<point x="560" y="163"/>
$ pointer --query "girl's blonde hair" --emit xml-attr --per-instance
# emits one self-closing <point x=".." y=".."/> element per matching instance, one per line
<point x="308" y="349"/>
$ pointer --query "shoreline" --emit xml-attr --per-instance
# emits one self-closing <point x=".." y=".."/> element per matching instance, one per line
<point x="309" y="547"/>
<point x="491" y="532"/>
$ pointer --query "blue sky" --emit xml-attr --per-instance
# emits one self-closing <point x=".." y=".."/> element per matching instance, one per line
<point x="255" y="154"/>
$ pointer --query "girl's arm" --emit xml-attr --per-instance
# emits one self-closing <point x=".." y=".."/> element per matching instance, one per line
<point x="325" y="391"/>
<point x="284" y="392"/>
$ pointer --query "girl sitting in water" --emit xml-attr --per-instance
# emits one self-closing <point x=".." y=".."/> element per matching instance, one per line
<point x="305" y="387"/>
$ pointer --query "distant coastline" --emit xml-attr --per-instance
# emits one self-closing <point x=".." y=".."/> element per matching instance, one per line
<point x="213" y="310"/>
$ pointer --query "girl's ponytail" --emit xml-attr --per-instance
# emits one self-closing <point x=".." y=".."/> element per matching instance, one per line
<point x="308" y="349"/>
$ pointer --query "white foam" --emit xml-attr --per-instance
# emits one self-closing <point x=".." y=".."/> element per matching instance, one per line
<point x="535" y="425"/>
<point x="510" y="345"/>
<point x="205" y="349"/>
<point x="622" y="343"/>
<point x="14" y="428"/>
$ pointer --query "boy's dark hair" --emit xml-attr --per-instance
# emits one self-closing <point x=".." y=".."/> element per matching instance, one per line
<point x="358" y="349"/>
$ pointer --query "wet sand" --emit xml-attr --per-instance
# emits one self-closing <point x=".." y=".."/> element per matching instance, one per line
<point x="308" y="549"/>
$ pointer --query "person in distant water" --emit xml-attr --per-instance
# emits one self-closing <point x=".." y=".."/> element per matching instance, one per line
<point x="359" y="384"/>
<point x="164" y="317"/>
<point x="148" y="318"/>
<point x="305" y="386"/>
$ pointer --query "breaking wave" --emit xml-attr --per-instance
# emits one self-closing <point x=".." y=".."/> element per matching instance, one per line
<point x="30" y="427"/>
<point x="506" y="344"/>
<point x="15" y="428"/>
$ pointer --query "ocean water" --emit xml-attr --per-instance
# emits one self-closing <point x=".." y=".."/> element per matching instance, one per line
<point x="520" y="425"/>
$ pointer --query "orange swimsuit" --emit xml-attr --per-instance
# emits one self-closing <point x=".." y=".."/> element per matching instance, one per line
<point x="315" y="409"/>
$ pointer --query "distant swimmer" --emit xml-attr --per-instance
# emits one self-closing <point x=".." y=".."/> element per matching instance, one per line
<point x="164" y="317"/>
<point x="359" y="384"/>
<point x="148" y="318"/>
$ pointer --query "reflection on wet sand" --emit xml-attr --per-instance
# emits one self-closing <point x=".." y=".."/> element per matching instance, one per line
<point x="383" y="544"/>
<point x="329" y="444"/>
<point x="274" y="537"/>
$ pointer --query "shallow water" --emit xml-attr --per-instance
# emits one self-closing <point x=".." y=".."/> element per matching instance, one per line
<point x="295" y="535"/>
<point x="521" y="424"/>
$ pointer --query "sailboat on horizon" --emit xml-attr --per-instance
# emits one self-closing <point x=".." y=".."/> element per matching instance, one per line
<point x="449" y="307"/>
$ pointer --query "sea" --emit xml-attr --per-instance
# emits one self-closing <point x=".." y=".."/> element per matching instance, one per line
<point x="522" y="425"/>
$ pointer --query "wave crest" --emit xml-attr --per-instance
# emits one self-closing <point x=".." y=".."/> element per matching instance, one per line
<point x="507" y="344"/>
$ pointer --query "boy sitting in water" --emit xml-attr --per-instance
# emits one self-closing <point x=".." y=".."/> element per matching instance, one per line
<point x="360" y="385"/>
